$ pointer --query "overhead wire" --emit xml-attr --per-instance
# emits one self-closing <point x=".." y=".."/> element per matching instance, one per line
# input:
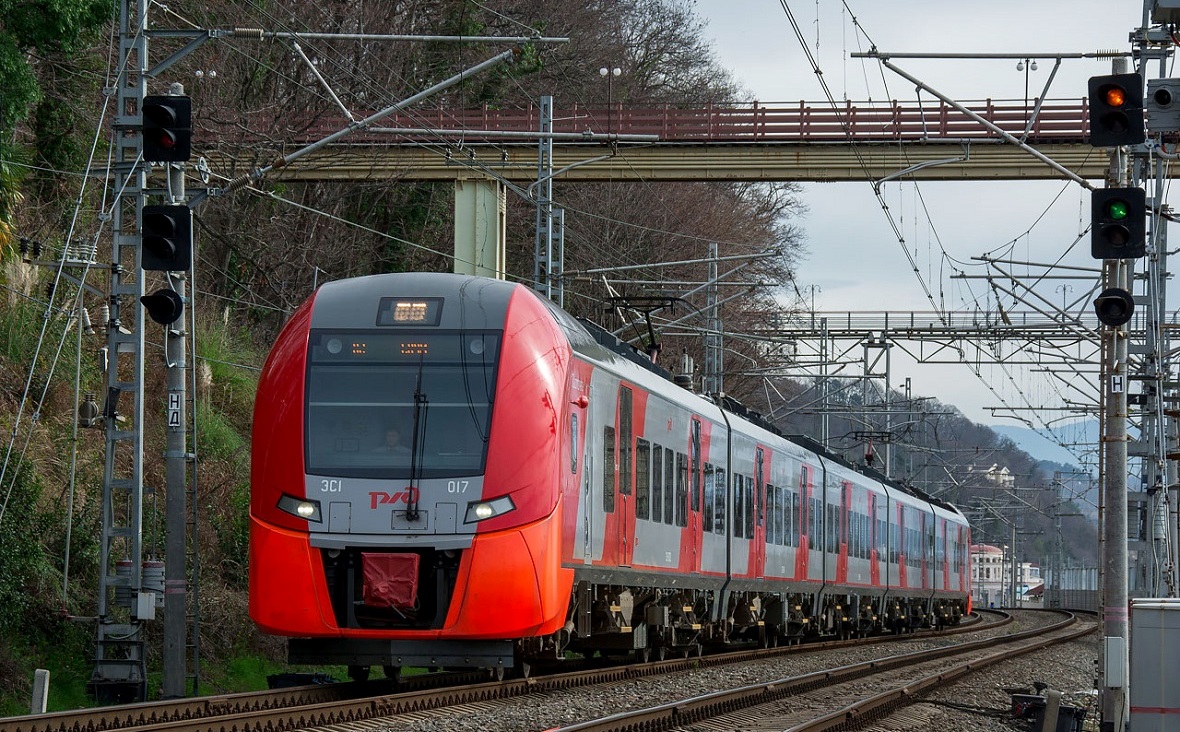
<point x="976" y="298"/>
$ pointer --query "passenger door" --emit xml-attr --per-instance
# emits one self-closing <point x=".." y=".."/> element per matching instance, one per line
<point x="625" y="506"/>
<point x="758" y="553"/>
<point x="696" y="489"/>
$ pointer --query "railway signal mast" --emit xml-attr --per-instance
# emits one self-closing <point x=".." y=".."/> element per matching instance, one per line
<point x="1129" y="224"/>
<point x="148" y="129"/>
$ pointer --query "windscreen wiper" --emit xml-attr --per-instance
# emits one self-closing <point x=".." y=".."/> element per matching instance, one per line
<point x="417" y="446"/>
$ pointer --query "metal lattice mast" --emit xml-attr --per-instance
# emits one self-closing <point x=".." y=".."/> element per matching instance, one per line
<point x="713" y="379"/>
<point x="120" y="669"/>
<point x="543" y="243"/>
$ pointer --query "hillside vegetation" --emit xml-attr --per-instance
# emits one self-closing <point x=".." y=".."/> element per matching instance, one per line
<point x="263" y="249"/>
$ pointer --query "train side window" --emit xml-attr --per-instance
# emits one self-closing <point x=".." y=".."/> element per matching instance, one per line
<point x="573" y="443"/>
<point x="739" y="503"/>
<point x="657" y="483"/>
<point x="833" y="528"/>
<point x="719" y="503"/>
<point x="642" y="478"/>
<point x="817" y="520"/>
<point x="609" y="469"/>
<point x="682" y="491"/>
<point x="669" y="486"/>
<point x="710" y="497"/>
<point x="771" y="505"/>
<point x="796" y="517"/>
<point x="780" y="519"/>
<point x="750" y="507"/>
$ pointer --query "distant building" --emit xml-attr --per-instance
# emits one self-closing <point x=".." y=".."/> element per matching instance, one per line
<point x="988" y="587"/>
<point x="995" y="474"/>
<point x="991" y="577"/>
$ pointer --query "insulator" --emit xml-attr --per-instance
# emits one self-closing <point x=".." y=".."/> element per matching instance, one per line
<point x="88" y="411"/>
<point x="104" y="315"/>
<point x="87" y="326"/>
<point x="49" y="288"/>
<point x="37" y="247"/>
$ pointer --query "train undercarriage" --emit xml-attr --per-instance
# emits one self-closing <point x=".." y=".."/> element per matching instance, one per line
<point x="652" y="624"/>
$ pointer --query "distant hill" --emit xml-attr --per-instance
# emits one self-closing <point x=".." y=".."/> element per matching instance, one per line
<point x="1053" y="457"/>
<point x="1043" y="449"/>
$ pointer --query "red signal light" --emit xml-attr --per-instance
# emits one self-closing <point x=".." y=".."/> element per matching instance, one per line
<point x="167" y="129"/>
<point x="1116" y="96"/>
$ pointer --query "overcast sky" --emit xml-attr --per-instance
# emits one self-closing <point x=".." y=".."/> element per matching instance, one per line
<point x="854" y="257"/>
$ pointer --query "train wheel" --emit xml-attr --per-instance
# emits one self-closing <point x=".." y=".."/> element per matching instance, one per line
<point x="498" y="673"/>
<point x="524" y="669"/>
<point x="661" y="653"/>
<point x="358" y="673"/>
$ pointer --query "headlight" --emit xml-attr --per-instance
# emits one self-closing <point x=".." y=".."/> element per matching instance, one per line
<point x="304" y="508"/>
<point x="481" y="510"/>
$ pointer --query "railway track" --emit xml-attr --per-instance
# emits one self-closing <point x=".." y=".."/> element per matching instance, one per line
<point x="359" y="706"/>
<point x="845" y="698"/>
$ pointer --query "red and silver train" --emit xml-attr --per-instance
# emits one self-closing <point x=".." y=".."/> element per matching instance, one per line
<point x="452" y="471"/>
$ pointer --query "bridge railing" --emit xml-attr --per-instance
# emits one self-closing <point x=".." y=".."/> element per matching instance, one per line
<point x="1055" y="121"/>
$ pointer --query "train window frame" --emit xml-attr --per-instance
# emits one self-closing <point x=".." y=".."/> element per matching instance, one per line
<point x="751" y="506"/>
<point x="770" y="507"/>
<point x="831" y="528"/>
<point x="708" y="500"/>
<point x="669" y="486"/>
<point x="720" y="500"/>
<point x="345" y="383"/>
<point x="657" y="482"/>
<point x="642" y="478"/>
<point x="682" y="489"/>
<point x="610" y="469"/>
<point x="780" y="516"/>
<point x="796" y="517"/>
<point x="739" y="506"/>
<point x="817" y="524"/>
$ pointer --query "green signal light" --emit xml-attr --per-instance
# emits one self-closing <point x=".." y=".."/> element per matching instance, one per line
<point x="1118" y="210"/>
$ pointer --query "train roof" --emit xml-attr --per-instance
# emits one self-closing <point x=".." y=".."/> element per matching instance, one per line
<point x="611" y="342"/>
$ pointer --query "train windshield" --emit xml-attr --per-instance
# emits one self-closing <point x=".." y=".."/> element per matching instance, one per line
<point x="379" y="403"/>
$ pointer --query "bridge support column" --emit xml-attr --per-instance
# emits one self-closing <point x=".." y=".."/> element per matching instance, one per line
<point x="480" y="220"/>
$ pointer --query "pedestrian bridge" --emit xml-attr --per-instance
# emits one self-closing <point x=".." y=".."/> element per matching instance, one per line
<point x="802" y="141"/>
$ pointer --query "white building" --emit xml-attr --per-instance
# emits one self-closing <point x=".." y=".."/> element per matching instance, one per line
<point x="988" y="576"/>
<point x="991" y="577"/>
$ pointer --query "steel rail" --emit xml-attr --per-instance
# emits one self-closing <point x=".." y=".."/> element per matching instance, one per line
<point x="693" y="710"/>
<point x="349" y="702"/>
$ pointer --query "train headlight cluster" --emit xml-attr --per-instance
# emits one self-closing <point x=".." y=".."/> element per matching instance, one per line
<point x="302" y="507"/>
<point x="483" y="510"/>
